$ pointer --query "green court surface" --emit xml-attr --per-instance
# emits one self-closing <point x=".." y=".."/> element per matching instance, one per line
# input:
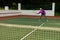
<point x="23" y="21"/>
<point x="33" y="22"/>
<point x="15" y="33"/>
<point x="52" y="23"/>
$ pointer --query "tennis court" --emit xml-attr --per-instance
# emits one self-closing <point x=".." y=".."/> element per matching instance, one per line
<point x="32" y="29"/>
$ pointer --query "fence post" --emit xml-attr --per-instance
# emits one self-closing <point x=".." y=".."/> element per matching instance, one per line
<point x="6" y="8"/>
<point x="19" y="6"/>
<point x="53" y="7"/>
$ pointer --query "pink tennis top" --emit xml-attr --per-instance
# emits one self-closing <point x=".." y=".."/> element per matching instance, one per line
<point x="41" y="11"/>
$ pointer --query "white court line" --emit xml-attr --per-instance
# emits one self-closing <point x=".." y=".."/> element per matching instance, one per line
<point x="31" y="32"/>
